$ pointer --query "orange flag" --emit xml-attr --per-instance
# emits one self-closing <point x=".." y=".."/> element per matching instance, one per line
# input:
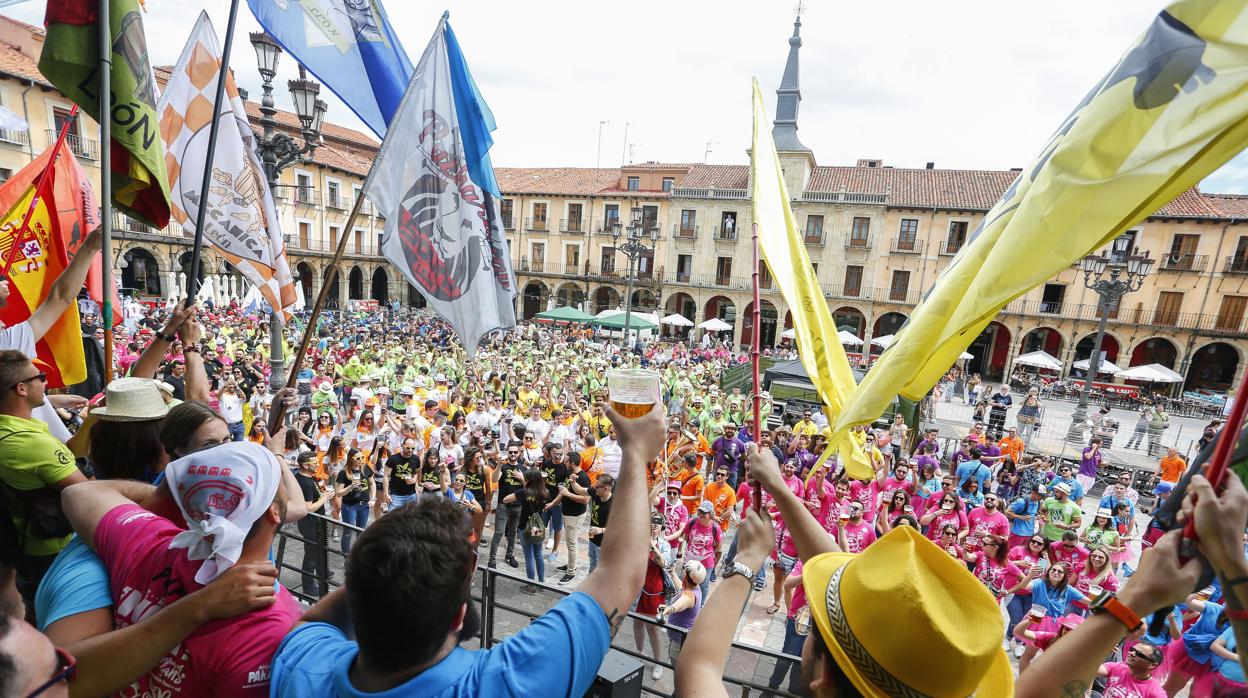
<point x="40" y="259"/>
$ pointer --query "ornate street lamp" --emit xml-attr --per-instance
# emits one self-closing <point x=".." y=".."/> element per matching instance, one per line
<point x="634" y="246"/>
<point x="1109" y="291"/>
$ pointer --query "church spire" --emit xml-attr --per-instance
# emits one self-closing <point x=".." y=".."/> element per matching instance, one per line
<point x="789" y="96"/>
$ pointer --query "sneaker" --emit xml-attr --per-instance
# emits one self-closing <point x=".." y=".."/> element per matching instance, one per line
<point x="562" y="568"/>
<point x="492" y="563"/>
<point x="567" y="578"/>
<point x="552" y="556"/>
<point x="759" y="586"/>
<point x="512" y="561"/>
<point x="1019" y="649"/>
<point x="656" y="673"/>
<point x="528" y="589"/>
<point x="549" y="544"/>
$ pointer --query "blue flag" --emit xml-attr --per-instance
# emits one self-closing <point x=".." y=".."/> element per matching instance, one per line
<point x="433" y="181"/>
<point x="347" y="44"/>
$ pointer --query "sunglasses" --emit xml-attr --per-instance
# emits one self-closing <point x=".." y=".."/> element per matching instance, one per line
<point x="66" y="667"/>
<point x="1036" y="542"/>
<point x="40" y="376"/>
<point x="1140" y="655"/>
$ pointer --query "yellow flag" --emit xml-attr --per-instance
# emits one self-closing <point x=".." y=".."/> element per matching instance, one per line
<point x="1167" y="114"/>
<point x="785" y="253"/>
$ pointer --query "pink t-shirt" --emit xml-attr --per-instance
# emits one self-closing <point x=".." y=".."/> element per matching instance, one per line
<point x="799" y="594"/>
<point x="675" y="516"/>
<point x="890" y="484"/>
<point x="1073" y="557"/>
<point x="1021" y="556"/>
<point x="858" y="536"/>
<point x="997" y="577"/>
<point x="1083" y="582"/>
<point x="864" y="492"/>
<point x="982" y="524"/>
<point x="702" y="543"/>
<point x="1120" y="684"/>
<point x="225" y="657"/>
<point x="956" y="518"/>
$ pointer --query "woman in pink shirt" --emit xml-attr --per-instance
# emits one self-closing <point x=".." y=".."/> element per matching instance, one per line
<point x="992" y="567"/>
<point x="1068" y="551"/>
<point x="949" y="512"/>
<point x="1095" y="572"/>
<point x="1025" y="557"/>
<point x="894" y="505"/>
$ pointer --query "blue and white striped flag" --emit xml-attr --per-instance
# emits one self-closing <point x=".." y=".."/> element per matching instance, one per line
<point x="347" y="44"/>
<point x="434" y="182"/>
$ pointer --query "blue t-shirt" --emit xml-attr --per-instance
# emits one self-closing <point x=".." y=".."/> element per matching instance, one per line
<point x="973" y="468"/>
<point x="1202" y="633"/>
<point x="1024" y="506"/>
<point x="1231" y="670"/>
<point x="1163" y="638"/>
<point x="1056" y="602"/>
<point x="1110" y="502"/>
<point x="556" y="655"/>
<point x="1076" y="489"/>
<point x="75" y="583"/>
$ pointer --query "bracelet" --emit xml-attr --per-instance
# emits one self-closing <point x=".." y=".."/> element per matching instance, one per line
<point x="165" y="337"/>
<point x="1235" y="615"/>
<point x="190" y="350"/>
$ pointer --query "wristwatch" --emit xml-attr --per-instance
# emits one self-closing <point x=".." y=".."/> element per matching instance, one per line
<point x="1108" y="602"/>
<point x="166" y="337"/>
<point x="739" y="569"/>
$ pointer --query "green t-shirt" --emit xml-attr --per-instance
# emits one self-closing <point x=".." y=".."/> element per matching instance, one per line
<point x="1055" y="511"/>
<point x="31" y="459"/>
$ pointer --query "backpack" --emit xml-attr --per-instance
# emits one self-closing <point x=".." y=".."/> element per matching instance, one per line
<point x="535" y="529"/>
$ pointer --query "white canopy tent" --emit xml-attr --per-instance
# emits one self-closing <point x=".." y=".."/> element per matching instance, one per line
<point x="883" y="342"/>
<point x="849" y="338"/>
<point x="1106" y="366"/>
<point x="715" y="325"/>
<point x="789" y="334"/>
<point x="677" y="320"/>
<point x="1151" y="373"/>
<point x="1039" y="359"/>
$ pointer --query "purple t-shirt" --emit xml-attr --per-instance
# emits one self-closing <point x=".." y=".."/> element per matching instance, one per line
<point x="1089" y="462"/>
<point x="729" y="453"/>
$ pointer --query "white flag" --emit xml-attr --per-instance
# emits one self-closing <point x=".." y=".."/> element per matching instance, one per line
<point x="434" y="183"/>
<point x="241" y="223"/>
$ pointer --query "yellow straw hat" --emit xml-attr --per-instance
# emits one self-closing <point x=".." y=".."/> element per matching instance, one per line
<point x="903" y="619"/>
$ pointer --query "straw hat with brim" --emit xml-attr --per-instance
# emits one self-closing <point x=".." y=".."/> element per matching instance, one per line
<point x="132" y="400"/>
<point x="860" y="602"/>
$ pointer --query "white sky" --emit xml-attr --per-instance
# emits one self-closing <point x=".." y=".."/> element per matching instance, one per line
<point x="972" y="84"/>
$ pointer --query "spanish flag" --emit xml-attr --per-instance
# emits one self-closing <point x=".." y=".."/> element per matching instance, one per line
<point x="39" y="260"/>
<point x="1171" y="111"/>
<point x="822" y="355"/>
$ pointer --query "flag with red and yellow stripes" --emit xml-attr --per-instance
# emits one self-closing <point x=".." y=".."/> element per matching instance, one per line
<point x="39" y="260"/>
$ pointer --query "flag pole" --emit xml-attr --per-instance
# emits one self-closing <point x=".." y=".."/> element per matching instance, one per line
<point x="106" y="182"/>
<point x="756" y="338"/>
<point x="40" y="184"/>
<point x="192" y="284"/>
<point x="278" y="412"/>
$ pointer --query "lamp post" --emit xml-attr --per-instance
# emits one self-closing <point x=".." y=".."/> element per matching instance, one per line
<point x="634" y="246"/>
<point x="1109" y="291"/>
<point x="278" y="151"/>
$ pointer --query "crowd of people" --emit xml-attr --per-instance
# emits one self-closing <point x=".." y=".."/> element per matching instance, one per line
<point x="136" y="549"/>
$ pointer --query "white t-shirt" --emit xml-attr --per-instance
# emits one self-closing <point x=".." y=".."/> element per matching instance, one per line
<point x="612" y="456"/>
<point x="21" y="338"/>
<point x="231" y="406"/>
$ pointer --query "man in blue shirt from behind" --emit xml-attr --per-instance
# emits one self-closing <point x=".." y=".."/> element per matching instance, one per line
<point x="406" y="600"/>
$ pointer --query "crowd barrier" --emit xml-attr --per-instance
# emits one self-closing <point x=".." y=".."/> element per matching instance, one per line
<point x="506" y="607"/>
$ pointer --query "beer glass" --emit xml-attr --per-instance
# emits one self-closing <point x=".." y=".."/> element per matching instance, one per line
<point x="632" y="391"/>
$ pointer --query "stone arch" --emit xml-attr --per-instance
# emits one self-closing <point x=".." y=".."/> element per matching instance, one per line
<point x="141" y="272"/>
<point x="381" y="285"/>
<point x="569" y="294"/>
<point x="851" y="319"/>
<point x="888" y="323"/>
<point x="184" y="269"/>
<point x="644" y="300"/>
<point x="1214" y="366"/>
<point x="415" y="298"/>
<point x="1042" y="338"/>
<point x="306" y="276"/>
<point x="720" y="307"/>
<point x="768" y="332"/>
<point x="535" y="294"/>
<point x="605" y="298"/>
<point x="680" y="303"/>
<point x="989" y="352"/>
<point x="1110" y="347"/>
<point x="355" y="284"/>
<point x="1155" y="350"/>
<point x="335" y="286"/>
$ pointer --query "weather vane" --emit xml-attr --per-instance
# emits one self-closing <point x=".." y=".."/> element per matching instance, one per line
<point x="798" y="9"/>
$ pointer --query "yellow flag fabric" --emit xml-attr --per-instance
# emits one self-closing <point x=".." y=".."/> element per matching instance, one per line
<point x="1166" y="115"/>
<point x="785" y="253"/>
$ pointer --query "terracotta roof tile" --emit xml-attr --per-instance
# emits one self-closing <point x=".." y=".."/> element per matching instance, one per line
<point x="716" y="176"/>
<point x="567" y="181"/>
<point x="975" y="190"/>
<point x="14" y="62"/>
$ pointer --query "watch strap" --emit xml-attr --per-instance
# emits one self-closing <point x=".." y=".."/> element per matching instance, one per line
<point x="165" y="337"/>
<point x="1108" y="602"/>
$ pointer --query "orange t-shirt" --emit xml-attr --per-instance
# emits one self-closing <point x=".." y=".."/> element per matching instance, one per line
<point x="690" y="489"/>
<point x="723" y="498"/>
<point x="1012" y="447"/>
<point x="1172" y="468"/>
<point x="588" y="458"/>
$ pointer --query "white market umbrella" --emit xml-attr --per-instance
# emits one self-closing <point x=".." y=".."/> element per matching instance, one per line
<point x="1039" y="359"/>
<point x="1106" y="366"/>
<point x="883" y="342"/>
<point x="965" y="355"/>
<point x="789" y="334"/>
<point x="1151" y="373"/>
<point x="849" y="338"/>
<point x="715" y="325"/>
<point x="678" y="320"/>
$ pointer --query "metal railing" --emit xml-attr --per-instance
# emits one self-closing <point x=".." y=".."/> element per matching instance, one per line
<point x="904" y="245"/>
<point x="813" y="237"/>
<point x="949" y="248"/>
<point x="124" y="224"/>
<point x="12" y="135"/>
<point x="571" y="225"/>
<point x="1235" y="265"/>
<point x="509" y="223"/>
<point x="538" y="224"/>
<point x="684" y="232"/>
<point x="1205" y="322"/>
<point x="724" y="234"/>
<point x="86" y="148"/>
<point x="1184" y="262"/>
<point x="854" y="241"/>
<point x="606" y="227"/>
<point x="305" y="195"/>
<point x="337" y="201"/>
<point x="310" y="564"/>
